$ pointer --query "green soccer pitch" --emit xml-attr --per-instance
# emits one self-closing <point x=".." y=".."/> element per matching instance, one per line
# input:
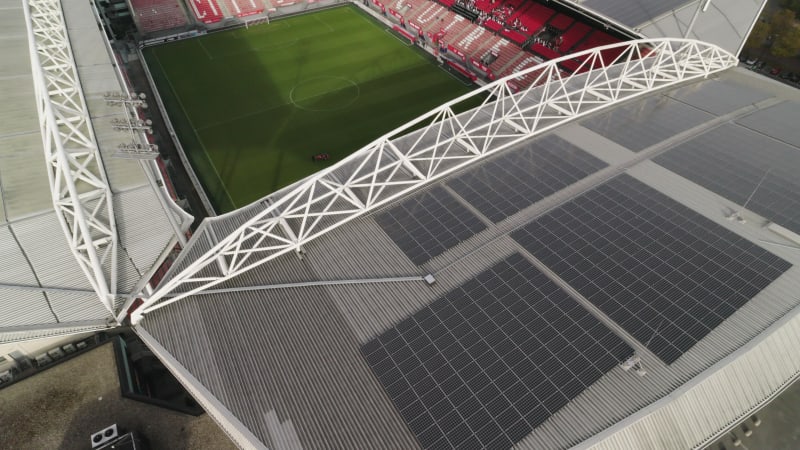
<point x="252" y="106"/>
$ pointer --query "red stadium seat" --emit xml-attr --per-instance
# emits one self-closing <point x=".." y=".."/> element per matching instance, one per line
<point x="574" y="34"/>
<point x="536" y="16"/>
<point x="242" y="8"/>
<point x="206" y="11"/>
<point x="158" y="15"/>
<point x="545" y="52"/>
<point x="515" y="36"/>
<point x="561" y="21"/>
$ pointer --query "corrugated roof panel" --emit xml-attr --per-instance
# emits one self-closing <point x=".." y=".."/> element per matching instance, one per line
<point x="294" y="337"/>
<point x="140" y="219"/>
<point x="55" y="330"/>
<point x="23" y="180"/>
<point x="73" y="306"/>
<point x="23" y="175"/>
<point x="19" y="308"/>
<point x="46" y="246"/>
<point x="14" y="267"/>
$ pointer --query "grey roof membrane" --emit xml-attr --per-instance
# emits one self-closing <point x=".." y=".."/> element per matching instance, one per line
<point x="633" y="12"/>
<point x="304" y="352"/>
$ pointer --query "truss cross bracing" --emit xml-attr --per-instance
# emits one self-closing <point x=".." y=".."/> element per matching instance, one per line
<point x="402" y="161"/>
<point x="80" y="192"/>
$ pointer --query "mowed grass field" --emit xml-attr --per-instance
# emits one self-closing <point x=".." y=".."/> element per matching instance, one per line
<point x="252" y="106"/>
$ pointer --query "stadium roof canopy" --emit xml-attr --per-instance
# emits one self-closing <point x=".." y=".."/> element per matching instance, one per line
<point x="725" y="23"/>
<point x="45" y="291"/>
<point x="624" y="279"/>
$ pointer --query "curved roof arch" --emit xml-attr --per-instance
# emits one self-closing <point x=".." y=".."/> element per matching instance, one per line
<point x="394" y="164"/>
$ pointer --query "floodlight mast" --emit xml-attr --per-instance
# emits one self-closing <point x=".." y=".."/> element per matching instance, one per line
<point x="386" y="170"/>
<point x="80" y="192"/>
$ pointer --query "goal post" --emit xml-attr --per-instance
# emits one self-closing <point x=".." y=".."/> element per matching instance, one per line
<point x="256" y="21"/>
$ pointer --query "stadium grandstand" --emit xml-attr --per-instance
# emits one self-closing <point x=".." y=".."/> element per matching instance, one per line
<point x="158" y="15"/>
<point x="597" y="251"/>
<point x="486" y="36"/>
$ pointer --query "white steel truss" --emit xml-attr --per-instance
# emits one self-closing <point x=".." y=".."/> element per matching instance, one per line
<point x="80" y="191"/>
<point x="435" y="145"/>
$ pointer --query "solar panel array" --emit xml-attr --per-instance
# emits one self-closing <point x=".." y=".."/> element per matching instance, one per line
<point x="778" y="121"/>
<point x="517" y="179"/>
<point x="746" y="165"/>
<point x="718" y="97"/>
<point x="647" y="122"/>
<point x="426" y="225"/>
<point x="664" y="273"/>
<point x="493" y="359"/>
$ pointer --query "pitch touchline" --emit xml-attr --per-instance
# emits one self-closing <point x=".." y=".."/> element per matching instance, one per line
<point x="194" y="130"/>
<point x="200" y="41"/>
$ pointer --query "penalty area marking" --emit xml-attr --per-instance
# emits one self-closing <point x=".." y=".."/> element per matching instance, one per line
<point x="308" y="81"/>
<point x="330" y="28"/>
<point x="205" y="50"/>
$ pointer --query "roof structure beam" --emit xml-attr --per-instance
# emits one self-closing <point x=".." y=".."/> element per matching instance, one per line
<point x="404" y="161"/>
<point x="80" y="191"/>
<point x="552" y="99"/>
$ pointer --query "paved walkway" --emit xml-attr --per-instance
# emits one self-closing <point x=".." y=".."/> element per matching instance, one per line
<point x="61" y="407"/>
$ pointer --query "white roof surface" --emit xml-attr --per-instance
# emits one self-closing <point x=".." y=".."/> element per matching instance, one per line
<point x="43" y="286"/>
<point x="725" y="23"/>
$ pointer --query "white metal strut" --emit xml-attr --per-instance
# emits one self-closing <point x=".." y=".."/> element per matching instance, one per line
<point x="80" y="191"/>
<point x="444" y="141"/>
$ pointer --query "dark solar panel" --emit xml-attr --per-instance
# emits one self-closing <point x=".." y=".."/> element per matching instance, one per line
<point x="778" y="122"/>
<point x="517" y="179"/>
<point x="664" y="273"/>
<point x="646" y="122"/>
<point x="426" y="225"/>
<point x="719" y="97"/>
<point x="741" y="159"/>
<point x="493" y="359"/>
